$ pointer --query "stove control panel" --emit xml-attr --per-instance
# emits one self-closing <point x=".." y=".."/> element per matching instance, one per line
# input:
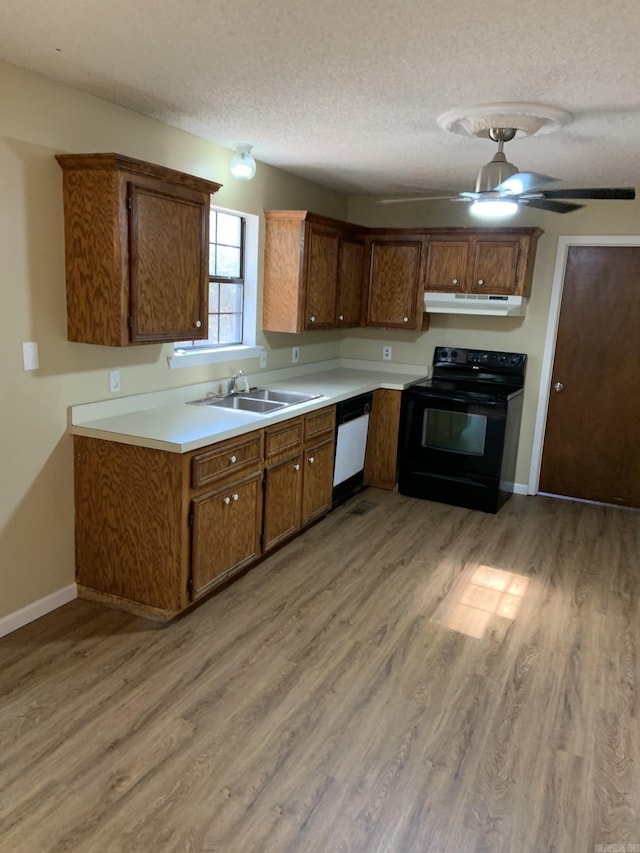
<point x="481" y="359"/>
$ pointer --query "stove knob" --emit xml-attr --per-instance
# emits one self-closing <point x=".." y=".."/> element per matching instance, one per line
<point x="454" y="353"/>
<point x="443" y="353"/>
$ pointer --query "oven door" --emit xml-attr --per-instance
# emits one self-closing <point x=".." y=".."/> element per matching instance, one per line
<point x="451" y="448"/>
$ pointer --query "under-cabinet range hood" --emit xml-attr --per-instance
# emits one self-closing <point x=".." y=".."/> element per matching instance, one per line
<point x="474" y="303"/>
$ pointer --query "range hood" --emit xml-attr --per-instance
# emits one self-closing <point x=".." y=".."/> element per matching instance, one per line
<point x="474" y="303"/>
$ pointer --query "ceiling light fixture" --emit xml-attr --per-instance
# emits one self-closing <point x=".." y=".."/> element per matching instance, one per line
<point x="243" y="166"/>
<point x="493" y="208"/>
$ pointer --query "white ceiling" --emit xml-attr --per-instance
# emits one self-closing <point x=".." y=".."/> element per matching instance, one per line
<point x="348" y="93"/>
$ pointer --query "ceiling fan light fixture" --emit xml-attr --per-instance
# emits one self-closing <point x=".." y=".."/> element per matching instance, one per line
<point x="493" y="208"/>
<point x="243" y="166"/>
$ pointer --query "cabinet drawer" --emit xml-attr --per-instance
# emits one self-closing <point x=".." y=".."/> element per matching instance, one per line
<point x="282" y="438"/>
<point x="224" y="459"/>
<point x="319" y="423"/>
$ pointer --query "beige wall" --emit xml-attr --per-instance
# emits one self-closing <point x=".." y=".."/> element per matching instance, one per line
<point x="516" y="334"/>
<point x="38" y="119"/>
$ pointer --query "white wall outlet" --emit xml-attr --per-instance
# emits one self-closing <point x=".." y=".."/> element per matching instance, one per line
<point x="386" y="353"/>
<point x="30" y="357"/>
<point x="114" y="381"/>
<point x="263" y="358"/>
<point x="295" y="355"/>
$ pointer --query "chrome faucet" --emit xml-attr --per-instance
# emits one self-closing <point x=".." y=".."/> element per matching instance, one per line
<point x="232" y="384"/>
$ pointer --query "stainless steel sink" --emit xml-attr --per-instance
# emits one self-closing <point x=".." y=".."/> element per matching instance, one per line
<point x="243" y="404"/>
<point x="259" y="400"/>
<point x="279" y="395"/>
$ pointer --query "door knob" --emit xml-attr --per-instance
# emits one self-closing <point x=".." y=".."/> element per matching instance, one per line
<point x="558" y="387"/>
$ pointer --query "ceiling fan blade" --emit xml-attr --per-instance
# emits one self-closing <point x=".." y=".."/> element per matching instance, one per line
<point x="524" y="182"/>
<point x="418" y="198"/>
<point x="612" y="193"/>
<point x="551" y="206"/>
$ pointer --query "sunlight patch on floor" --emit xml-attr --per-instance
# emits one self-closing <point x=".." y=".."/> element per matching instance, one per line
<point x="488" y="593"/>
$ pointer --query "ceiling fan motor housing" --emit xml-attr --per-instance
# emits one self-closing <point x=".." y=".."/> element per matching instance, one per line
<point x="497" y="170"/>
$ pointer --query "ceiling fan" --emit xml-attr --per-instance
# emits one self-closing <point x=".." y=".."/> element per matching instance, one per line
<point x="501" y="189"/>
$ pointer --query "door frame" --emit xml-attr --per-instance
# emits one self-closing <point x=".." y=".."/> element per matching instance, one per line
<point x="551" y="335"/>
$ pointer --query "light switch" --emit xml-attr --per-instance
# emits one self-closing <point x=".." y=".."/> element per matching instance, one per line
<point x="30" y="357"/>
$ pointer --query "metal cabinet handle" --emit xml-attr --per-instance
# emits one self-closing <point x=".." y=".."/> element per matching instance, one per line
<point x="296" y="467"/>
<point x="341" y="317"/>
<point x="454" y="281"/>
<point x="197" y="324"/>
<point x="235" y="496"/>
<point x="558" y="387"/>
<point x="312" y="318"/>
<point x="233" y="459"/>
<point x="405" y="319"/>
<point x="480" y="281"/>
<point x="311" y="460"/>
<point x="227" y="501"/>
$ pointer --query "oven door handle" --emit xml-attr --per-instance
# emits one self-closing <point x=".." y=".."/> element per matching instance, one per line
<point x="440" y="399"/>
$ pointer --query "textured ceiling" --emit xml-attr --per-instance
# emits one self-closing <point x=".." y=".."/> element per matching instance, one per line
<point x="348" y="93"/>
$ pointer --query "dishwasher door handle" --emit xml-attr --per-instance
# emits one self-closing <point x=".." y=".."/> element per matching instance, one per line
<point x="358" y="413"/>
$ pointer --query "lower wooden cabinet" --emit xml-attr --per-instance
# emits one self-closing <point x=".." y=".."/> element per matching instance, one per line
<point x="298" y="476"/>
<point x="155" y="530"/>
<point x="381" y="464"/>
<point x="225" y="531"/>
<point x="317" y="480"/>
<point x="282" y="495"/>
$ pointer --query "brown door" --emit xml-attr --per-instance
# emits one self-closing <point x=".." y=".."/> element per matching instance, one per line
<point x="317" y="485"/>
<point x="592" y="439"/>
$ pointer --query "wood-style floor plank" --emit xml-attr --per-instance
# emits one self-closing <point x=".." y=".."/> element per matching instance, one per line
<point x="405" y="676"/>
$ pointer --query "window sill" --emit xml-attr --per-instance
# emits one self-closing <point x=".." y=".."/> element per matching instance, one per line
<point x="212" y="356"/>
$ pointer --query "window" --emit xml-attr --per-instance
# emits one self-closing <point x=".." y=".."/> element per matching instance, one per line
<point x="226" y="278"/>
<point x="232" y="297"/>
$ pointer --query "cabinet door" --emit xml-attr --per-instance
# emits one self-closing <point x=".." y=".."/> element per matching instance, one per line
<point x="495" y="266"/>
<point x="350" y="269"/>
<point x="381" y="463"/>
<point x="225" y="533"/>
<point x="282" y="495"/>
<point x="317" y="484"/>
<point x="168" y="243"/>
<point x="395" y="282"/>
<point x="321" y="280"/>
<point x="447" y="262"/>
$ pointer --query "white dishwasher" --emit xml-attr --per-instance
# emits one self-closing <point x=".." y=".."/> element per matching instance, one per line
<point x="352" y="424"/>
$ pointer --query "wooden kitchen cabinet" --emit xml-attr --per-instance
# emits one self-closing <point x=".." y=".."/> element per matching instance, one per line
<point x="225" y="531"/>
<point x="154" y="529"/>
<point x="298" y="474"/>
<point x="317" y="459"/>
<point x="136" y="250"/>
<point x="317" y="483"/>
<point x="396" y="280"/>
<point x="312" y="272"/>
<point x="493" y="261"/>
<point x="381" y="461"/>
<point x="282" y="482"/>
<point x="350" y="278"/>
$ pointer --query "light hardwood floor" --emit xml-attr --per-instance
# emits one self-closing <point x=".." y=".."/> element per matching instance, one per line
<point x="415" y="677"/>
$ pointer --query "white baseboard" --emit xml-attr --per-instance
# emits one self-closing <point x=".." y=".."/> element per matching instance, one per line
<point x="39" y="608"/>
<point x="520" y="489"/>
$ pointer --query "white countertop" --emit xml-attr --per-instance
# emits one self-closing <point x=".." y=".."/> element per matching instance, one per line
<point x="166" y="420"/>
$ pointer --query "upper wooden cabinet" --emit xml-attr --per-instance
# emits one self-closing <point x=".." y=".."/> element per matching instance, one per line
<point x="395" y="280"/>
<point x="350" y="271"/>
<point x="495" y="261"/>
<point x="136" y="250"/>
<point x="312" y="272"/>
